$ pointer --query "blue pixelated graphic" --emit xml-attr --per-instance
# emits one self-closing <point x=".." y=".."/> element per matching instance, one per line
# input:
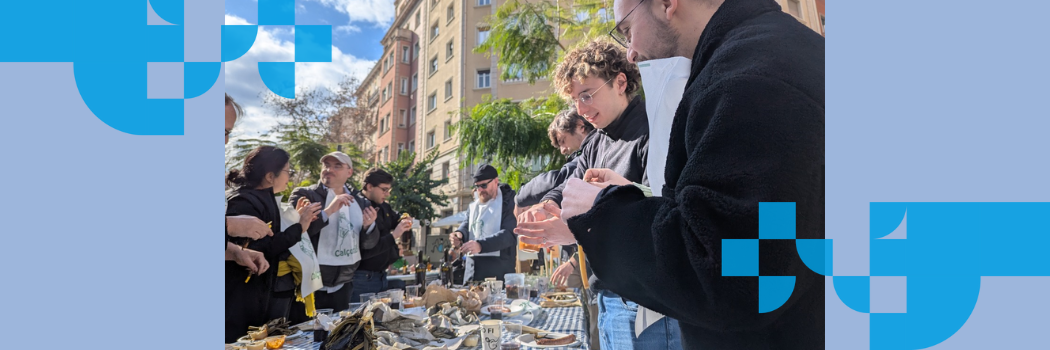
<point x="740" y="257"/>
<point x="111" y="42"/>
<point x="941" y="249"/>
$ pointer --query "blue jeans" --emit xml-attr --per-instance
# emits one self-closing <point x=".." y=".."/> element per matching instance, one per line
<point x="368" y="282"/>
<point x="616" y="327"/>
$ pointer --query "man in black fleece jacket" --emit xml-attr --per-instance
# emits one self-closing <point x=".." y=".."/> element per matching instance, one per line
<point x="749" y="129"/>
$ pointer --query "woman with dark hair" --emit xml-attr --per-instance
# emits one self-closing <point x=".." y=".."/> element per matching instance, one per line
<point x="250" y="299"/>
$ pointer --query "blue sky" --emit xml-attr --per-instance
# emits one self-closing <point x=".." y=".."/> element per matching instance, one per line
<point x="358" y="26"/>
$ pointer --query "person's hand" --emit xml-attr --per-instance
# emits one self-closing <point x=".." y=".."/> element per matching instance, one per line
<point x="456" y="238"/>
<point x="535" y="213"/>
<point x="552" y="231"/>
<point x="253" y="260"/>
<point x="562" y="273"/>
<point x="578" y="197"/>
<point x="402" y="227"/>
<point x="339" y="202"/>
<point x="472" y="247"/>
<point x="369" y="215"/>
<point x="307" y="213"/>
<point x="604" y="178"/>
<point x="518" y="210"/>
<point x="247" y="226"/>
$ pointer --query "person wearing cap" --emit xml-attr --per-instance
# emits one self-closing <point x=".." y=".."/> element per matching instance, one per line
<point x="489" y="230"/>
<point x="342" y="230"/>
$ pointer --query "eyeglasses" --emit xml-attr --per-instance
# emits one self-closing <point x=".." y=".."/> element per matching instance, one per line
<point x="586" y="97"/>
<point x="385" y="190"/>
<point x="484" y="185"/>
<point x="621" y="35"/>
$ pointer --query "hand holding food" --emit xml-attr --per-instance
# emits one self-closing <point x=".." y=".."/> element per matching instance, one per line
<point x="247" y="226"/>
<point x="604" y="178"/>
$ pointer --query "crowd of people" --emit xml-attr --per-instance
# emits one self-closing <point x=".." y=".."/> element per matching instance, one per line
<point x="732" y="116"/>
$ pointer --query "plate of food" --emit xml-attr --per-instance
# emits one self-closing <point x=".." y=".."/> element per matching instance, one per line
<point x="549" y="340"/>
<point x="561" y="297"/>
<point x="510" y="310"/>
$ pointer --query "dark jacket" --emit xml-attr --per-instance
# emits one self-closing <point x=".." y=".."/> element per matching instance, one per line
<point x="247" y="304"/>
<point x="506" y="242"/>
<point x="532" y="192"/>
<point x="333" y="276"/>
<point x="379" y="258"/>
<point x="623" y="146"/>
<point x="749" y="129"/>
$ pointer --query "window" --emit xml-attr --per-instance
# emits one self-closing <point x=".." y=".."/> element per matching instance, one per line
<point x="515" y="71"/>
<point x="417" y="19"/>
<point x="821" y="20"/>
<point x="412" y="116"/>
<point x="400" y="148"/>
<point x="484" y="79"/>
<point x="794" y="7"/>
<point x="483" y="34"/>
<point x="433" y="65"/>
<point x="434" y="32"/>
<point x="415" y="52"/>
<point x="404" y="54"/>
<point x="385" y="95"/>
<point x="412" y="146"/>
<point x="444" y="171"/>
<point x="404" y="118"/>
<point x="386" y="121"/>
<point x="386" y="153"/>
<point x="484" y="2"/>
<point x="391" y="58"/>
<point x="415" y="81"/>
<point x="430" y="140"/>
<point x="404" y="86"/>
<point x="448" y="89"/>
<point x="449" y="12"/>
<point x="390" y="90"/>
<point x="432" y="102"/>
<point x="449" y="50"/>
<point x="382" y="125"/>
<point x="448" y="130"/>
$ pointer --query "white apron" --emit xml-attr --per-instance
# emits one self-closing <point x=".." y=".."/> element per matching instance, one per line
<point x="664" y="82"/>
<point x="338" y="244"/>
<point x="302" y="251"/>
<point x="484" y="222"/>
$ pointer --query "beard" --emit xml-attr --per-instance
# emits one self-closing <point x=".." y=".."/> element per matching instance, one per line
<point x="667" y="46"/>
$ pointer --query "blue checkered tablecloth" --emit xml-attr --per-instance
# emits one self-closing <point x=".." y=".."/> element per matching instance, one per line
<point x="567" y="320"/>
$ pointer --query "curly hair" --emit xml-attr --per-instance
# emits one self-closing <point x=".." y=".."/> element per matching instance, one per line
<point x="566" y="122"/>
<point x="600" y="59"/>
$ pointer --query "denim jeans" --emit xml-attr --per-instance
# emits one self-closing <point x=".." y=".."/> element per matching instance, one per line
<point x="616" y="326"/>
<point x="368" y="282"/>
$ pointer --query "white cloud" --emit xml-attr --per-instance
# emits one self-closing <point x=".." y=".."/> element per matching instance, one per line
<point x="380" y="12"/>
<point x="244" y="84"/>
<point x="347" y="29"/>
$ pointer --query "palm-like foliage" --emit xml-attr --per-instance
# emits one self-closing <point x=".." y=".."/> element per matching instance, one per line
<point x="414" y="191"/>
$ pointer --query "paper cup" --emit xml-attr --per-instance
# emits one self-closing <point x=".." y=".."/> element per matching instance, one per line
<point x="490" y="334"/>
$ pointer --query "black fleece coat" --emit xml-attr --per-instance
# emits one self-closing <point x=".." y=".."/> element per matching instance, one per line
<point x="248" y="304"/>
<point x="749" y="129"/>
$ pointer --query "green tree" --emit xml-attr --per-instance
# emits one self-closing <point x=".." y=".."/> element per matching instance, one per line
<point x="529" y="40"/>
<point x="414" y="191"/>
<point x="511" y="136"/>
